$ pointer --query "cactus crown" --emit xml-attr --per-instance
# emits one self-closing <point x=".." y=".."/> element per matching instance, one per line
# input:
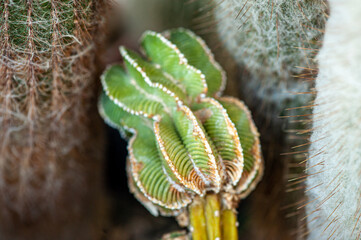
<point x="185" y="139"/>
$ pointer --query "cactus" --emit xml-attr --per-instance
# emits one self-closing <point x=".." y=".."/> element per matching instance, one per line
<point x="333" y="165"/>
<point x="47" y="73"/>
<point x="273" y="40"/>
<point x="191" y="151"/>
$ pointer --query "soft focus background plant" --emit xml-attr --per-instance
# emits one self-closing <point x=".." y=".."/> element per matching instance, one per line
<point x="50" y="169"/>
<point x="334" y="165"/>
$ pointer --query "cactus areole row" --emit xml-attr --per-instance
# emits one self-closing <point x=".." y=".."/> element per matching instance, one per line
<point x="191" y="151"/>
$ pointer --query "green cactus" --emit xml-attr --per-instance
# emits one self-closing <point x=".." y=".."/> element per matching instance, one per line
<point x="189" y="147"/>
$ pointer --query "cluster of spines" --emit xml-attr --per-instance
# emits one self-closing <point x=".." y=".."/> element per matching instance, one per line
<point x="180" y="146"/>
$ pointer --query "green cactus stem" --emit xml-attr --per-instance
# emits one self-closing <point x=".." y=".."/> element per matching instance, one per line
<point x="198" y="223"/>
<point x="190" y="149"/>
<point x="229" y="225"/>
<point x="212" y="211"/>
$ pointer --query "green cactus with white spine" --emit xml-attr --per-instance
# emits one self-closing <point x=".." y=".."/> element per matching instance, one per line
<point x="189" y="147"/>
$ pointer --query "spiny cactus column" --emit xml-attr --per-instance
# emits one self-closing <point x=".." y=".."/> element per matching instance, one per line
<point x="334" y="162"/>
<point x="191" y="151"/>
<point x="49" y="168"/>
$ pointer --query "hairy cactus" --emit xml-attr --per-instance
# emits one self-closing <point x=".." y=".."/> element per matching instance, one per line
<point x="190" y="149"/>
<point x="334" y="161"/>
<point x="47" y="87"/>
<point x="273" y="40"/>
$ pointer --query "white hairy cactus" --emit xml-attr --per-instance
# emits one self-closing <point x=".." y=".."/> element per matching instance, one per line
<point x="274" y="40"/>
<point x="334" y="165"/>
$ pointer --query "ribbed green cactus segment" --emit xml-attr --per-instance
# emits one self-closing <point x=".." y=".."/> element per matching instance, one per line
<point x="223" y="134"/>
<point x="125" y="93"/>
<point x="148" y="170"/>
<point x="199" y="56"/>
<point x="178" y="158"/>
<point x="248" y="134"/>
<point x="171" y="60"/>
<point x="183" y="142"/>
<point x="155" y="77"/>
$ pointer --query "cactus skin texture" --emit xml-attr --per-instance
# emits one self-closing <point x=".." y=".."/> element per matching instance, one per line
<point x="334" y="161"/>
<point x="188" y="145"/>
<point x="273" y="40"/>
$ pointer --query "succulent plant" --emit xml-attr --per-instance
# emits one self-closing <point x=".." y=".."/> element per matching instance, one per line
<point x="191" y="150"/>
